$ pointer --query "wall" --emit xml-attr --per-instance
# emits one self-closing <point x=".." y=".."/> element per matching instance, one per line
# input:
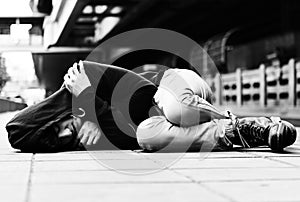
<point x="253" y="53"/>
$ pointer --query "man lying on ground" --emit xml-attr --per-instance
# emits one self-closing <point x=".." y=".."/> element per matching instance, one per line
<point x="106" y="107"/>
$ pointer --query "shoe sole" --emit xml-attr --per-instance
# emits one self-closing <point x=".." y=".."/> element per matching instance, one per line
<point x="282" y="134"/>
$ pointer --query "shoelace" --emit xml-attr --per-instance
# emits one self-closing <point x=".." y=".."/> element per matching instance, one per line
<point x="251" y="129"/>
<point x="234" y="121"/>
<point x="255" y="131"/>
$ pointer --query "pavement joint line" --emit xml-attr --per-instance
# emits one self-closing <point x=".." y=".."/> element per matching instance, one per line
<point x="283" y="162"/>
<point x="29" y="182"/>
<point x="216" y="192"/>
<point x="231" y="157"/>
<point x="140" y="157"/>
<point x="10" y="161"/>
<point x="115" y="182"/>
<point x="95" y="170"/>
<point x="13" y="154"/>
<point x="217" y="168"/>
<point x="255" y="155"/>
<point x="84" y="152"/>
<point x="277" y="160"/>
<point x="65" y="160"/>
<point x="204" y="186"/>
<point x="248" y="180"/>
<point x="164" y="167"/>
<point x="105" y="167"/>
<point x="218" y="157"/>
<point x="159" y="162"/>
<point x="246" y="157"/>
<point x="175" y="169"/>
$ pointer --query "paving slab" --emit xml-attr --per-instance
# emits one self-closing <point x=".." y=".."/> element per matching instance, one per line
<point x="65" y="156"/>
<point x="260" y="191"/>
<point x="265" y="152"/>
<point x="117" y="155"/>
<point x="240" y="175"/>
<point x="9" y="156"/>
<point x="289" y="160"/>
<point x="15" y="166"/>
<point x="124" y="192"/>
<point x="79" y="165"/>
<point x="208" y="163"/>
<point x="196" y="155"/>
<point x="131" y="164"/>
<point x="13" y="193"/>
<point x="18" y="178"/>
<point x="107" y="177"/>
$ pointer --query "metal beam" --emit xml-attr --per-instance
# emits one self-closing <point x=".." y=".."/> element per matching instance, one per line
<point x="132" y="15"/>
<point x="57" y="28"/>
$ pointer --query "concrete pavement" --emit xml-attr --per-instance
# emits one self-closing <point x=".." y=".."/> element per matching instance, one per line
<point x="247" y="175"/>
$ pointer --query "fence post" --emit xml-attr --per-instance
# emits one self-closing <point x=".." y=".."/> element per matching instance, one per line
<point x="262" y="79"/>
<point x="239" y="87"/>
<point x="292" y="83"/>
<point x="218" y="87"/>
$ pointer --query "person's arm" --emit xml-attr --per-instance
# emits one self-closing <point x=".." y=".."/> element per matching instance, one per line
<point x="85" y="104"/>
<point x="90" y="103"/>
<point x="84" y="96"/>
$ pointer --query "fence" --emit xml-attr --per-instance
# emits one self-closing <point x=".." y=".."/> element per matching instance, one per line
<point x="272" y="89"/>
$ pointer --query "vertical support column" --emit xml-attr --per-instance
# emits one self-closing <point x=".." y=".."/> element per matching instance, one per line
<point x="292" y="83"/>
<point x="239" y="87"/>
<point x="262" y="79"/>
<point x="218" y="86"/>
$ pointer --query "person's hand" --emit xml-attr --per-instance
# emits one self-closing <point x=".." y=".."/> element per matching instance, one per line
<point x="76" y="79"/>
<point x="89" y="133"/>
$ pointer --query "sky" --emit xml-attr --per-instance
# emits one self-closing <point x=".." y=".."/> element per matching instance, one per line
<point x="10" y="8"/>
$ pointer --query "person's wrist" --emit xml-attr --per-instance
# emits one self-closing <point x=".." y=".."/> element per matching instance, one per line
<point x="85" y="91"/>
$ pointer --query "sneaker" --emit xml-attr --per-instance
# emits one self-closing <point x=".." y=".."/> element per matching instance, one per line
<point x="261" y="131"/>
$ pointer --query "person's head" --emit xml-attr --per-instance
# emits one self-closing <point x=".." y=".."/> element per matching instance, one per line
<point x="68" y="126"/>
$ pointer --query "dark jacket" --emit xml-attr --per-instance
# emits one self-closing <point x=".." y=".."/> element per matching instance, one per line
<point x="31" y="129"/>
<point x="27" y="131"/>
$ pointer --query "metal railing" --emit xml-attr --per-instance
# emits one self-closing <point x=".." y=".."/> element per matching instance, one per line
<point x="269" y="89"/>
